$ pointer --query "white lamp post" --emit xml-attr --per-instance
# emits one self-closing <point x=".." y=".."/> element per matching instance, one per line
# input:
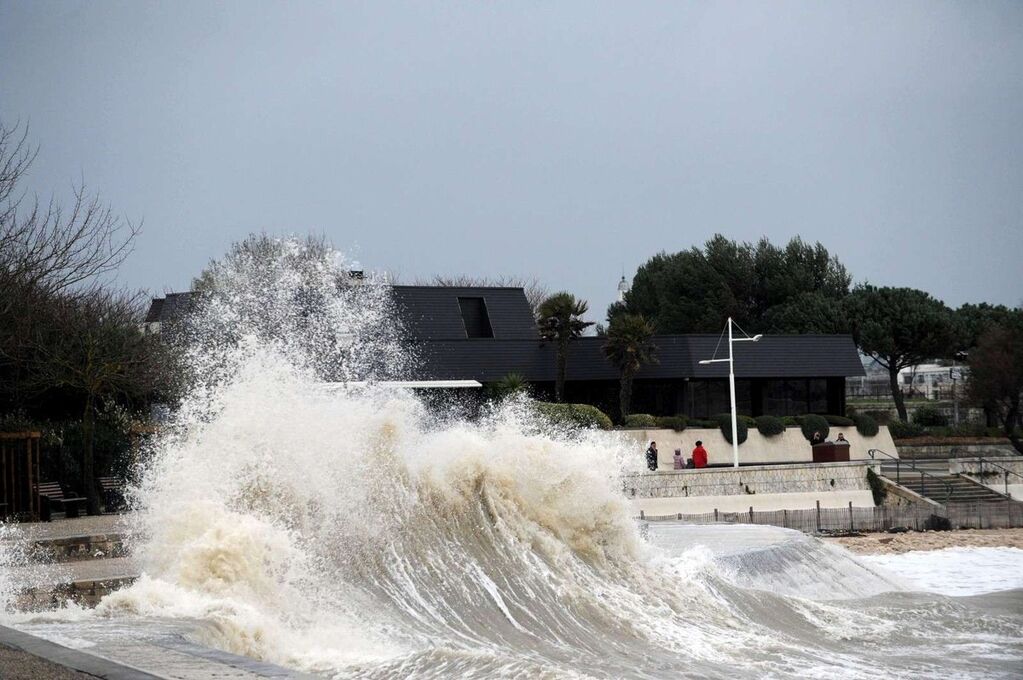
<point x="731" y="384"/>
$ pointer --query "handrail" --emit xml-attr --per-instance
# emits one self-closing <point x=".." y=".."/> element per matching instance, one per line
<point x="1005" y="473"/>
<point x="912" y="466"/>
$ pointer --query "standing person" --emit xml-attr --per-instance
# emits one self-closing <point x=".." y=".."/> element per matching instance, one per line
<point x="651" y="456"/>
<point x="841" y="439"/>
<point x="700" y="455"/>
<point x="680" y="464"/>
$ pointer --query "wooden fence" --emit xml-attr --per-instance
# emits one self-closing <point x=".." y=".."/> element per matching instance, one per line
<point x="980" y="515"/>
<point x="19" y="475"/>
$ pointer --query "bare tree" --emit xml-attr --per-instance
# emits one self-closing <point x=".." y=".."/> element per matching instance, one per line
<point x="536" y="292"/>
<point x="45" y="246"/>
<point x="92" y="345"/>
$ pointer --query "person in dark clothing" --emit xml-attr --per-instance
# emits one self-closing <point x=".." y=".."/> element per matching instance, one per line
<point x="651" y="456"/>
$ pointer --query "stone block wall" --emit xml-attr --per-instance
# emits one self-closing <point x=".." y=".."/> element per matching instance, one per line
<point x="767" y="479"/>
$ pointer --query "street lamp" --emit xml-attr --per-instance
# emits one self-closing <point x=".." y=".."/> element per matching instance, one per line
<point x="731" y="384"/>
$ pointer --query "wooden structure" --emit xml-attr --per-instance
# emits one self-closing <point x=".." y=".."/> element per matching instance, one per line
<point x="54" y="493"/>
<point x="830" y="453"/>
<point x="19" y="475"/>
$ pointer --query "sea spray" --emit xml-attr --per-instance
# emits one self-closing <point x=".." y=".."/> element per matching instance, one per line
<point x="356" y="532"/>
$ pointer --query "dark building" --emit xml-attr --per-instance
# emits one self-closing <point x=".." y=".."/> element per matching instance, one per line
<point x="484" y="334"/>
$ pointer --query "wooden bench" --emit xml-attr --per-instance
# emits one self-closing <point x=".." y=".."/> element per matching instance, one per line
<point x="113" y="493"/>
<point x="55" y="494"/>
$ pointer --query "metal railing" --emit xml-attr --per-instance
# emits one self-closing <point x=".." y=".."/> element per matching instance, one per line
<point x="1005" y="474"/>
<point x="913" y="470"/>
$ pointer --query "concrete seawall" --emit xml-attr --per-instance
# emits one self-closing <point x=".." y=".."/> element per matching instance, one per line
<point x="767" y="487"/>
<point x="789" y="446"/>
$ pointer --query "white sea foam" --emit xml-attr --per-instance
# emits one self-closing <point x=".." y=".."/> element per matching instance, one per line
<point x="360" y="533"/>
<point x="956" y="571"/>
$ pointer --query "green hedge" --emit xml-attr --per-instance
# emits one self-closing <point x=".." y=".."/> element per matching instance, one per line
<point x="742" y="424"/>
<point x="901" y="430"/>
<point x="839" y="420"/>
<point x="703" y="423"/>
<point x="877" y="487"/>
<point x="929" y="416"/>
<point x="814" y="423"/>
<point x="790" y="421"/>
<point x="677" y="423"/>
<point x="770" y="426"/>
<point x="865" y="425"/>
<point x="644" y="420"/>
<point x="576" y="415"/>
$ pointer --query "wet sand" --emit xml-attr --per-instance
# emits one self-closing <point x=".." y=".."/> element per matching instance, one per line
<point x="883" y="543"/>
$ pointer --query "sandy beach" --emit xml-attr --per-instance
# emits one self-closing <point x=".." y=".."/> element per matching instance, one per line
<point x="884" y="543"/>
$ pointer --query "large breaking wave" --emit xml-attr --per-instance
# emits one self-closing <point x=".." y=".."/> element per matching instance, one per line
<point x="359" y="532"/>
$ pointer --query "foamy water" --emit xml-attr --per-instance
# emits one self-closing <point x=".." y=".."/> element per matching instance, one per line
<point x="358" y="533"/>
<point x="956" y="571"/>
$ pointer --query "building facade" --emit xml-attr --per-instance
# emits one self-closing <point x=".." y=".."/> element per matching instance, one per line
<point x="487" y="333"/>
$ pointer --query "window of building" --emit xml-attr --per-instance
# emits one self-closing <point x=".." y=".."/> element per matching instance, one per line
<point x="475" y="317"/>
<point x="818" y="395"/>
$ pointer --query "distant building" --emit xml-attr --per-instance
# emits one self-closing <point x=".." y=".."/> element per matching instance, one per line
<point x="485" y="333"/>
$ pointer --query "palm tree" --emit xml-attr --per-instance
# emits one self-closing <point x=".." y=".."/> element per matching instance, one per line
<point x="561" y="322"/>
<point x="629" y="346"/>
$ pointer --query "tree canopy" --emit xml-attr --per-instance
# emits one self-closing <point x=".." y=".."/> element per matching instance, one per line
<point x="629" y="346"/>
<point x="561" y="322"/>
<point x="900" y="327"/>
<point x="996" y="372"/>
<point x="763" y="287"/>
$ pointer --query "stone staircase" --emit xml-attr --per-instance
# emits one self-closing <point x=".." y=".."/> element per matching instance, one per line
<point x="938" y="485"/>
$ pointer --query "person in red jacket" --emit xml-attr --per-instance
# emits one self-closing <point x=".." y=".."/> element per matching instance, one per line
<point x="699" y="455"/>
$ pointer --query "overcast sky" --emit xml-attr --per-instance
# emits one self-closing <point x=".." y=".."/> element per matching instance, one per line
<point x="558" y="140"/>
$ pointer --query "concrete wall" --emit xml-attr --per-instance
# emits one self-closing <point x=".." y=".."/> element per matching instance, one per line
<point x="788" y="447"/>
<point x="956" y="450"/>
<point x="972" y="468"/>
<point x="769" y="487"/>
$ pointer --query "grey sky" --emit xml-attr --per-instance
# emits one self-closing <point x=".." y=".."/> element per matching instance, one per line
<point x="558" y="140"/>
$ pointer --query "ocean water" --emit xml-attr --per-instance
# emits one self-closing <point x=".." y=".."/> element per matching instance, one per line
<point x="360" y="533"/>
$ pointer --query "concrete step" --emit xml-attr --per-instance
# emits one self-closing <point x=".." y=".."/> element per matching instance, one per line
<point x="944" y="488"/>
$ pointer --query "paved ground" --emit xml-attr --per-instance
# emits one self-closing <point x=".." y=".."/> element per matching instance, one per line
<point x="80" y="526"/>
<point x="67" y="572"/>
<point x="18" y="665"/>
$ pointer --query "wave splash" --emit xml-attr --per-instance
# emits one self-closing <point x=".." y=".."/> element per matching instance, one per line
<point x="360" y="532"/>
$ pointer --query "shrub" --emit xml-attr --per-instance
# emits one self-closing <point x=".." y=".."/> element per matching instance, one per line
<point x="508" y="386"/>
<point x="703" y="423"/>
<point x="882" y="417"/>
<point x="644" y="420"/>
<point x="929" y="416"/>
<point x="877" y="487"/>
<point x="814" y="423"/>
<point x="770" y="426"/>
<point x="677" y="423"/>
<point x="576" y="415"/>
<point x="865" y="425"/>
<point x="741" y="427"/>
<point x="901" y="430"/>
<point x="790" y="421"/>
<point x="841" y="421"/>
<point x="970" y="430"/>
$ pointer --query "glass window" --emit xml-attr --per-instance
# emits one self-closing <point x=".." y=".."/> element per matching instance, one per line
<point x="796" y="397"/>
<point x="774" y="398"/>
<point x="818" y="393"/>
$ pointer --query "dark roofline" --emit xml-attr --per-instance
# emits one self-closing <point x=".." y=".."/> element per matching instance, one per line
<point x="423" y="287"/>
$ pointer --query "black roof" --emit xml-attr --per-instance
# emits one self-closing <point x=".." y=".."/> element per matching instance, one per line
<point x="432" y="317"/>
<point x="169" y="308"/>
<point x="432" y="312"/>
<point x="774" y="356"/>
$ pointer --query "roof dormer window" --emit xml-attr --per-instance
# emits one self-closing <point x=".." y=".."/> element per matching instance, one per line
<point x="475" y="317"/>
